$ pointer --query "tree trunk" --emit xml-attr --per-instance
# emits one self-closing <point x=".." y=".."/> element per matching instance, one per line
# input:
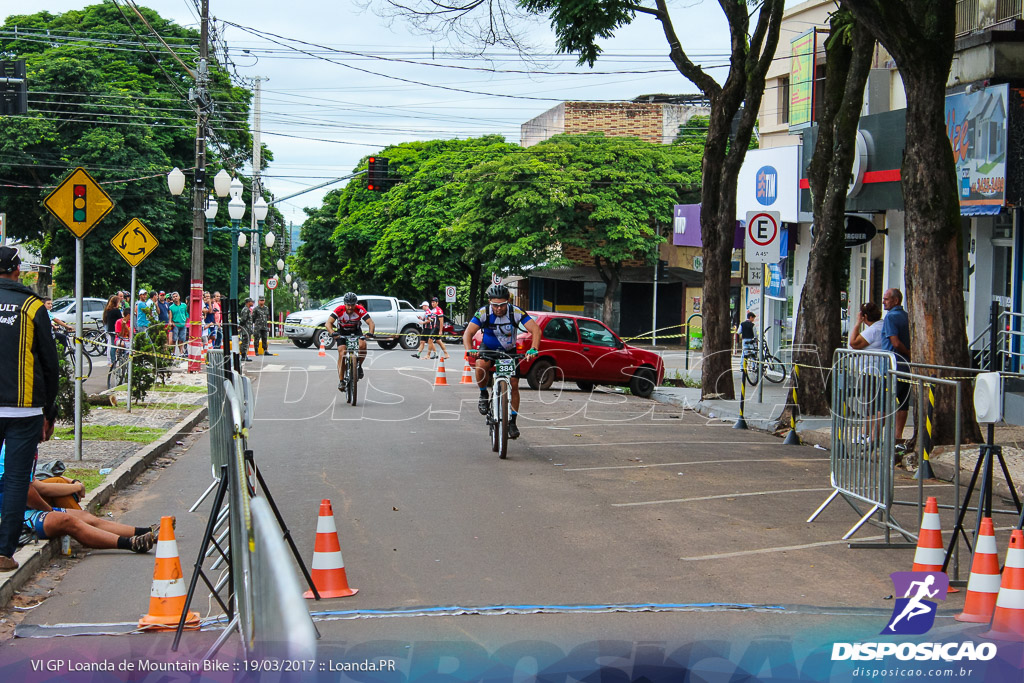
<point x="934" y="251"/>
<point x="817" y="323"/>
<point x="476" y="291"/>
<point x="609" y="273"/>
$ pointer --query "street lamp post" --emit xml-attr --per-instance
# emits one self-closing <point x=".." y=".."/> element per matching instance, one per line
<point x="236" y="210"/>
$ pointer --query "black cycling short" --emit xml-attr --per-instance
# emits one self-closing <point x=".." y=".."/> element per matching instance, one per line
<point x="490" y="354"/>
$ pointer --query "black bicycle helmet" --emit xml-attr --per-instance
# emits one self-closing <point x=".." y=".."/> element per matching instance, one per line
<point x="350" y="298"/>
<point x="497" y="292"/>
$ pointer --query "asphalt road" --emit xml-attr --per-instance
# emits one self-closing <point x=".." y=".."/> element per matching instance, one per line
<point x="606" y="499"/>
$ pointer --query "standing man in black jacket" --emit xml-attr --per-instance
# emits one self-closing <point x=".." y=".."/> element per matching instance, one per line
<point x="28" y="393"/>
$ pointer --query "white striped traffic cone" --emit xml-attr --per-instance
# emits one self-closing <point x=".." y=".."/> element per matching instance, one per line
<point x="931" y="553"/>
<point x="983" y="586"/>
<point x="467" y="374"/>
<point x="328" y="569"/>
<point x="1008" y="617"/>
<point x="167" y="596"/>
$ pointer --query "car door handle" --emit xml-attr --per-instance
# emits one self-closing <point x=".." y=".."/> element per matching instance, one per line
<point x="586" y="348"/>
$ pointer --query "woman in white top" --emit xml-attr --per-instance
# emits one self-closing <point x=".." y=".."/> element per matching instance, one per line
<point x="869" y="339"/>
<point x="870" y="317"/>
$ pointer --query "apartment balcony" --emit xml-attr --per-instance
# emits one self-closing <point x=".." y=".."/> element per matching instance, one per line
<point x="973" y="16"/>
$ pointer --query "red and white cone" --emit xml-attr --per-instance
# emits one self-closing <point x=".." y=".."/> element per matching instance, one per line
<point x="983" y="586"/>
<point x="323" y="352"/>
<point x="252" y="349"/>
<point x="467" y="374"/>
<point x="328" y="569"/>
<point x="1008" y="617"/>
<point x="931" y="552"/>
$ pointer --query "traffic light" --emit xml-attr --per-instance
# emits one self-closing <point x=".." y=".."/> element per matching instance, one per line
<point x="14" y="88"/>
<point x="662" y="270"/>
<point x="377" y="178"/>
<point x="78" y="212"/>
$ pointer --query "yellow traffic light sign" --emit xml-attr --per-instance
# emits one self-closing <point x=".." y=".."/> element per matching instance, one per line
<point x="79" y="203"/>
<point x="134" y="242"/>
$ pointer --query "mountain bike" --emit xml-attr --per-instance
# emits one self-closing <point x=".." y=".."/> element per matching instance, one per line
<point x="117" y="373"/>
<point x="350" y="366"/>
<point x="95" y="342"/>
<point x="67" y="351"/>
<point x="774" y="370"/>
<point x="501" y="398"/>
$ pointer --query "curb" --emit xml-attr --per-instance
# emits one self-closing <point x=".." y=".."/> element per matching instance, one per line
<point x="32" y="557"/>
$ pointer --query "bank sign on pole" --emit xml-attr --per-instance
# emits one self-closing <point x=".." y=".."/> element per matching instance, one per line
<point x="763" y="237"/>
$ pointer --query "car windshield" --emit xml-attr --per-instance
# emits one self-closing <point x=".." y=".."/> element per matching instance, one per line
<point x="62" y="305"/>
<point x="332" y="304"/>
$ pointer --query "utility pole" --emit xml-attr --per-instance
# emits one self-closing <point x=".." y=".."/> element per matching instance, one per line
<point x="200" y="96"/>
<point x="255" y="277"/>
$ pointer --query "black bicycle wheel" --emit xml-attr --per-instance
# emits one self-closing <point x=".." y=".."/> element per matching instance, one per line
<point x="95" y="343"/>
<point x="86" y="364"/>
<point x="502" y="426"/>
<point x="751" y="371"/>
<point x="774" y="370"/>
<point x="493" y="421"/>
<point x="353" y="378"/>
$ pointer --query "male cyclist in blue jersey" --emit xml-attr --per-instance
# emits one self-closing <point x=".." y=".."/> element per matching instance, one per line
<point x="501" y="323"/>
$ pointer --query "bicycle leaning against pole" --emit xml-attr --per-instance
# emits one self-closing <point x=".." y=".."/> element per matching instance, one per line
<point x="774" y="370"/>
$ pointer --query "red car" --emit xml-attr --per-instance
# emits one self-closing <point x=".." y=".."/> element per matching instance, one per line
<point x="583" y="350"/>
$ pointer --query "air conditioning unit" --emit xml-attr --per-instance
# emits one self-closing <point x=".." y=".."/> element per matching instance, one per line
<point x="988" y="397"/>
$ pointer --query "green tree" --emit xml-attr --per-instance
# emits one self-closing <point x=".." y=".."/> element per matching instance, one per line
<point x="99" y="100"/>
<point x="848" y="61"/>
<point x="579" y="26"/>
<point x="919" y="34"/>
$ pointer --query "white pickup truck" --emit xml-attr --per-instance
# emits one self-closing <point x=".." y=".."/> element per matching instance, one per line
<point x="395" y="321"/>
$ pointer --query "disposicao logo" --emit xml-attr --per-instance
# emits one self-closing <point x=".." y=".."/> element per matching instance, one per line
<point x="767" y="185"/>
<point x="914" y="614"/>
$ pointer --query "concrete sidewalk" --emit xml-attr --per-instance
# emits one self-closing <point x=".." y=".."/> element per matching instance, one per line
<point x="817" y="431"/>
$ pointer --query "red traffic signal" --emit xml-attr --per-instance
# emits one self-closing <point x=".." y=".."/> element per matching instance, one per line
<point x="78" y="204"/>
<point x="377" y="175"/>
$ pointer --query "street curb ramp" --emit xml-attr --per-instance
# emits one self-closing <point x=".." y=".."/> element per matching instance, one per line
<point x="32" y="557"/>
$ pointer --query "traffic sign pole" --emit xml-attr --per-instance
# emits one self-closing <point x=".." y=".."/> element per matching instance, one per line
<point x="131" y="338"/>
<point x="760" y="342"/>
<point x="79" y="333"/>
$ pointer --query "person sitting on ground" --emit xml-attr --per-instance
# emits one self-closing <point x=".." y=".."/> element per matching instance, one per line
<point x="48" y="522"/>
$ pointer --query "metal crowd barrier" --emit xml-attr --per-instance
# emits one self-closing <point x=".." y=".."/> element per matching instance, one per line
<point x="282" y="627"/>
<point x="863" y="445"/>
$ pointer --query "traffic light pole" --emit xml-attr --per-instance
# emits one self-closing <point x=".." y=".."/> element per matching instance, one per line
<point x="79" y="336"/>
<point x="654" y="307"/>
<point x="199" y="196"/>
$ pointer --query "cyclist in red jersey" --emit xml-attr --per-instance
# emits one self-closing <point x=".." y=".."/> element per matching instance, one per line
<point x="346" y="321"/>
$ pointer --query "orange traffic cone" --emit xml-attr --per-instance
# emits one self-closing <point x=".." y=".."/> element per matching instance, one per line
<point x="323" y="351"/>
<point x="930" y="551"/>
<point x="467" y="374"/>
<point x="252" y="349"/>
<point x="167" y="597"/>
<point x="441" y="379"/>
<point x="1008" y="617"/>
<point x="983" y="586"/>
<point x="328" y="568"/>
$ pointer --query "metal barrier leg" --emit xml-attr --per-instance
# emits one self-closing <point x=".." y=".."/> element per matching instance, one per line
<point x="823" y="506"/>
<point x="863" y="520"/>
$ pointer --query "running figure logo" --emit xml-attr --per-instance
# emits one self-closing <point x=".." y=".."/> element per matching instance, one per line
<point x="914" y="613"/>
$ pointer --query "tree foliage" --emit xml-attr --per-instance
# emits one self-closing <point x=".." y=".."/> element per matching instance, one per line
<point x="466" y="208"/>
<point x="98" y="100"/>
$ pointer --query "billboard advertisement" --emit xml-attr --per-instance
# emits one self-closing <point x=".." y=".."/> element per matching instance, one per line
<point x="976" y="127"/>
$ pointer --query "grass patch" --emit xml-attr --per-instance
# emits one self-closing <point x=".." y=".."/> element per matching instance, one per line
<point x="111" y="433"/>
<point x="91" y="478"/>
<point x="182" y="388"/>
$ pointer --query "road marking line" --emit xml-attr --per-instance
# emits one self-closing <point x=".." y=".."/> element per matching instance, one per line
<point x="699" y="462"/>
<point x="651" y="443"/>
<point x="746" y="495"/>
<point x="315" y="368"/>
<point x="779" y="549"/>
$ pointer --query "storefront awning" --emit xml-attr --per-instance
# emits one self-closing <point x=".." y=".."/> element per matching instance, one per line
<point x="980" y="210"/>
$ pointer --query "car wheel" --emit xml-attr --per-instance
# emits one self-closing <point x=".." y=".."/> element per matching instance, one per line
<point x="302" y="343"/>
<point x="543" y="374"/>
<point x="387" y="344"/>
<point x="322" y="336"/>
<point x="642" y="383"/>
<point x="410" y="338"/>
<point x="585" y="386"/>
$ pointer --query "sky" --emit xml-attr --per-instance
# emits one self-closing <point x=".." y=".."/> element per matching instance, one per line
<point x="343" y="82"/>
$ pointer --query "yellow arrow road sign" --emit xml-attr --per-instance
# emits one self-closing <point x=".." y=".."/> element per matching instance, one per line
<point x="79" y="203"/>
<point x="134" y="242"/>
